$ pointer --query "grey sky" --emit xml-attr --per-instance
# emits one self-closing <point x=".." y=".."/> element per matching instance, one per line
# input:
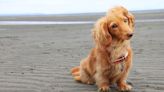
<point x="73" y="6"/>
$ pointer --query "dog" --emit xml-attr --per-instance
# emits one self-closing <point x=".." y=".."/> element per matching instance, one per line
<point x="110" y="60"/>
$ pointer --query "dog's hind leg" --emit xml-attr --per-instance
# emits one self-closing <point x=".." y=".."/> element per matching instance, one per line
<point x="85" y="77"/>
<point x="80" y="75"/>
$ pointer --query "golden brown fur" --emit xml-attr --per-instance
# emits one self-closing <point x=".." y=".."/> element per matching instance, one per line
<point x="112" y="35"/>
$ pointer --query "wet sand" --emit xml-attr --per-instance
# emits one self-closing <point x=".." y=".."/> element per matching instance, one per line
<point x="38" y="58"/>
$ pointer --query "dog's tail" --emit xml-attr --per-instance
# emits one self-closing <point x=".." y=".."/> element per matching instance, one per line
<point x="76" y="73"/>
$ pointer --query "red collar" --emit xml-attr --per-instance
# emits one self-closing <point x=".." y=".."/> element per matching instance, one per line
<point x="121" y="59"/>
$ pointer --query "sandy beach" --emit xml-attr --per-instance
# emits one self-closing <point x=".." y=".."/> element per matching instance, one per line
<point x="38" y="57"/>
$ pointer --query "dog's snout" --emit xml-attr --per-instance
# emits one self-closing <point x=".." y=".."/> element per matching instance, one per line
<point x="130" y="34"/>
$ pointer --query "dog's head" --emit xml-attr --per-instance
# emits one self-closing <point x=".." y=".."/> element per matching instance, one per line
<point x="117" y="24"/>
<point x="120" y="23"/>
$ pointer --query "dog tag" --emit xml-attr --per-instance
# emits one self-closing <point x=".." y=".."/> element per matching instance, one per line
<point x="122" y="67"/>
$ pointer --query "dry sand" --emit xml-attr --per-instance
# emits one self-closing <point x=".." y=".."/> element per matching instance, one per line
<point x="38" y="58"/>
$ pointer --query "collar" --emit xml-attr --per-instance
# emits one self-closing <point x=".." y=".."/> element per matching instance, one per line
<point x="121" y="59"/>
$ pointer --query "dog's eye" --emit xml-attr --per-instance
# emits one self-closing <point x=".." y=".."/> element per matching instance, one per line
<point x="114" y="26"/>
<point x="126" y="20"/>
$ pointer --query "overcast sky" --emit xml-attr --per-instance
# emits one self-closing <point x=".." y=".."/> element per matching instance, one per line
<point x="73" y="6"/>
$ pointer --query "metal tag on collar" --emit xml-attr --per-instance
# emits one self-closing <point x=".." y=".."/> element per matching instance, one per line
<point x="122" y="66"/>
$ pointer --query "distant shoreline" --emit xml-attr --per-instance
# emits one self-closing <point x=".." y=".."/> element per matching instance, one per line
<point x="139" y="15"/>
<point x="83" y="14"/>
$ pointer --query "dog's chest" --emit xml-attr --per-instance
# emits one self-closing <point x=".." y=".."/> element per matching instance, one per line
<point x="117" y="50"/>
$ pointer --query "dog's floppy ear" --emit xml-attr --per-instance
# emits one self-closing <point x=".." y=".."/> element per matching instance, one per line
<point x="101" y="33"/>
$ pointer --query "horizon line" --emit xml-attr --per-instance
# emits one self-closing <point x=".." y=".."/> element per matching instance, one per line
<point x="81" y="13"/>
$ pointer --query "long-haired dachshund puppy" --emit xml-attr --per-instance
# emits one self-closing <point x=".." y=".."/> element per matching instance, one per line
<point x="111" y="59"/>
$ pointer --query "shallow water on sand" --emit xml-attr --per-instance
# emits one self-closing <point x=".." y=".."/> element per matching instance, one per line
<point x="64" y="22"/>
<point x="43" y="22"/>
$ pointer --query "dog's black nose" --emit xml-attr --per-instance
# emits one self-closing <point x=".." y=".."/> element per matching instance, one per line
<point x="130" y="35"/>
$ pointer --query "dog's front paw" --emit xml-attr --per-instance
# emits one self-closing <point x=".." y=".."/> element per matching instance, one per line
<point x="104" y="88"/>
<point x="125" y="87"/>
<point x="90" y="82"/>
